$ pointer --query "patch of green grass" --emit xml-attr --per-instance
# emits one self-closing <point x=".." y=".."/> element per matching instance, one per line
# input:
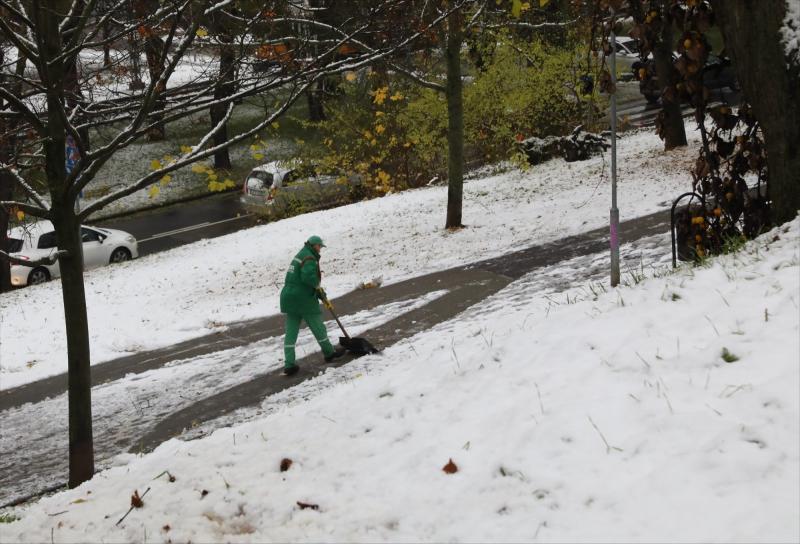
<point x="8" y="518"/>
<point x="728" y="357"/>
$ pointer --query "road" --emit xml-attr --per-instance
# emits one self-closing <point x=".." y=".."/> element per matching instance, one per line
<point x="184" y="222"/>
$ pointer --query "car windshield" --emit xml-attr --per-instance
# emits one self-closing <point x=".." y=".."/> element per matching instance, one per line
<point x="630" y="45"/>
<point x="14" y="245"/>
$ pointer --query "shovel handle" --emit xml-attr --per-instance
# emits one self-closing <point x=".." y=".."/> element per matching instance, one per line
<point x="330" y="309"/>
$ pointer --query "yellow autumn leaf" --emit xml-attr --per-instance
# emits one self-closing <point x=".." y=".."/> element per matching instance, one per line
<point x="202" y="32"/>
<point x="198" y="168"/>
<point x="229" y="183"/>
<point x="543" y="3"/>
<point x="367" y="135"/>
<point x="516" y="8"/>
<point x="380" y="129"/>
<point x="378" y="113"/>
<point x="254" y="147"/>
<point x="153" y="191"/>
<point x="395" y="97"/>
<point x="258" y="156"/>
<point x="166" y="179"/>
<point x="155" y="164"/>
<point x="526" y="6"/>
<point x="350" y="76"/>
<point x="168" y="159"/>
<point x="275" y="125"/>
<point x="20" y="215"/>
<point x="186" y="149"/>
<point x="380" y="95"/>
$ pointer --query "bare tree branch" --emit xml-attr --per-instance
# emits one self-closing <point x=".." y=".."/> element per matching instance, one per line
<point x="24" y="184"/>
<point x="50" y="259"/>
<point x="29" y="209"/>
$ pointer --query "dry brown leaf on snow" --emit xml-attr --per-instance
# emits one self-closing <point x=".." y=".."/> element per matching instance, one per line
<point x="450" y="467"/>
<point x="136" y="500"/>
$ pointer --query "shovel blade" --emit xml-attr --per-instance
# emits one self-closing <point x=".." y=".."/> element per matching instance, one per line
<point x="357" y="346"/>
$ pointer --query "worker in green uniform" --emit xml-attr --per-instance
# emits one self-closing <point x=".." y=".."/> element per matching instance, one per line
<point x="300" y="298"/>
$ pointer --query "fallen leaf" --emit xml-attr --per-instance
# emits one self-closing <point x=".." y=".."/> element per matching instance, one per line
<point x="450" y="467"/>
<point x="286" y="463"/>
<point x="304" y="505"/>
<point x="136" y="500"/>
<point x="203" y="493"/>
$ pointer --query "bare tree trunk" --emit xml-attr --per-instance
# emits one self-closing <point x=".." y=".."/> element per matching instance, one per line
<point x="752" y="37"/>
<point x="672" y="129"/>
<point x="224" y="88"/>
<point x="6" y="187"/>
<point x="316" y="108"/>
<point x="6" y="193"/>
<point x="106" y="45"/>
<point x="79" y="389"/>
<point x="455" y="121"/>
<point x="153" y="47"/>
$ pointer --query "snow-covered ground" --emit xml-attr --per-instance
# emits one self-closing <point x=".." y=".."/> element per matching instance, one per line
<point x="665" y="410"/>
<point x="199" y="288"/>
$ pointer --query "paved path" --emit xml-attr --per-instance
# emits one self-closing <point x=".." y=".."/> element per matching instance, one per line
<point x="466" y="286"/>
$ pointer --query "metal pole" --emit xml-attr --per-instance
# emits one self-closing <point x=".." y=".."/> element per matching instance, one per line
<point x="614" y="210"/>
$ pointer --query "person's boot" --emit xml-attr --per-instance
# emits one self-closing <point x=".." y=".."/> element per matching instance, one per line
<point x="291" y="370"/>
<point x="337" y="352"/>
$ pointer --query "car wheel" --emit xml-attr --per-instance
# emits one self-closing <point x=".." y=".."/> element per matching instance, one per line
<point x="38" y="275"/>
<point x="120" y="255"/>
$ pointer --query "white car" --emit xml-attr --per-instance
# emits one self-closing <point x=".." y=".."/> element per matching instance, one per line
<point x="38" y="240"/>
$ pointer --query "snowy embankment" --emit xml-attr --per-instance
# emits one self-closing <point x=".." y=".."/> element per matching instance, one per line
<point x="197" y="289"/>
<point x="667" y="410"/>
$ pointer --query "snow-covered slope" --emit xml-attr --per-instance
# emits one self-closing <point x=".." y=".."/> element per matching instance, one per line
<point x="589" y="415"/>
<point x="196" y="289"/>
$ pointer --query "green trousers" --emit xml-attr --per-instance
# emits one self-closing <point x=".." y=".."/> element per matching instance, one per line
<point x="317" y="326"/>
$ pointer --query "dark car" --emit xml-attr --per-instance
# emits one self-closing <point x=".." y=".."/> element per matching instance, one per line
<point x="718" y="73"/>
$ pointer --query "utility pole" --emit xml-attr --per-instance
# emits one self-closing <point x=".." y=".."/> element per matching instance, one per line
<point x="614" y="210"/>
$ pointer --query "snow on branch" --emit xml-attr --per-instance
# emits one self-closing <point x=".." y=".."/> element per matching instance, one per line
<point x="25" y="186"/>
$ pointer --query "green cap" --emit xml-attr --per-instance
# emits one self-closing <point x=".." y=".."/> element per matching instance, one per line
<point x="314" y="240"/>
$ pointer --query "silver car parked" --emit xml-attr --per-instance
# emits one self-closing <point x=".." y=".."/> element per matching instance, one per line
<point x="279" y="189"/>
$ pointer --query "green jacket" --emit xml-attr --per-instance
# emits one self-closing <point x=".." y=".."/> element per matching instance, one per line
<point x="299" y="294"/>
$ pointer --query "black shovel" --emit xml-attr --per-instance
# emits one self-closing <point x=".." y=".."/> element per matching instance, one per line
<point x="356" y="346"/>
